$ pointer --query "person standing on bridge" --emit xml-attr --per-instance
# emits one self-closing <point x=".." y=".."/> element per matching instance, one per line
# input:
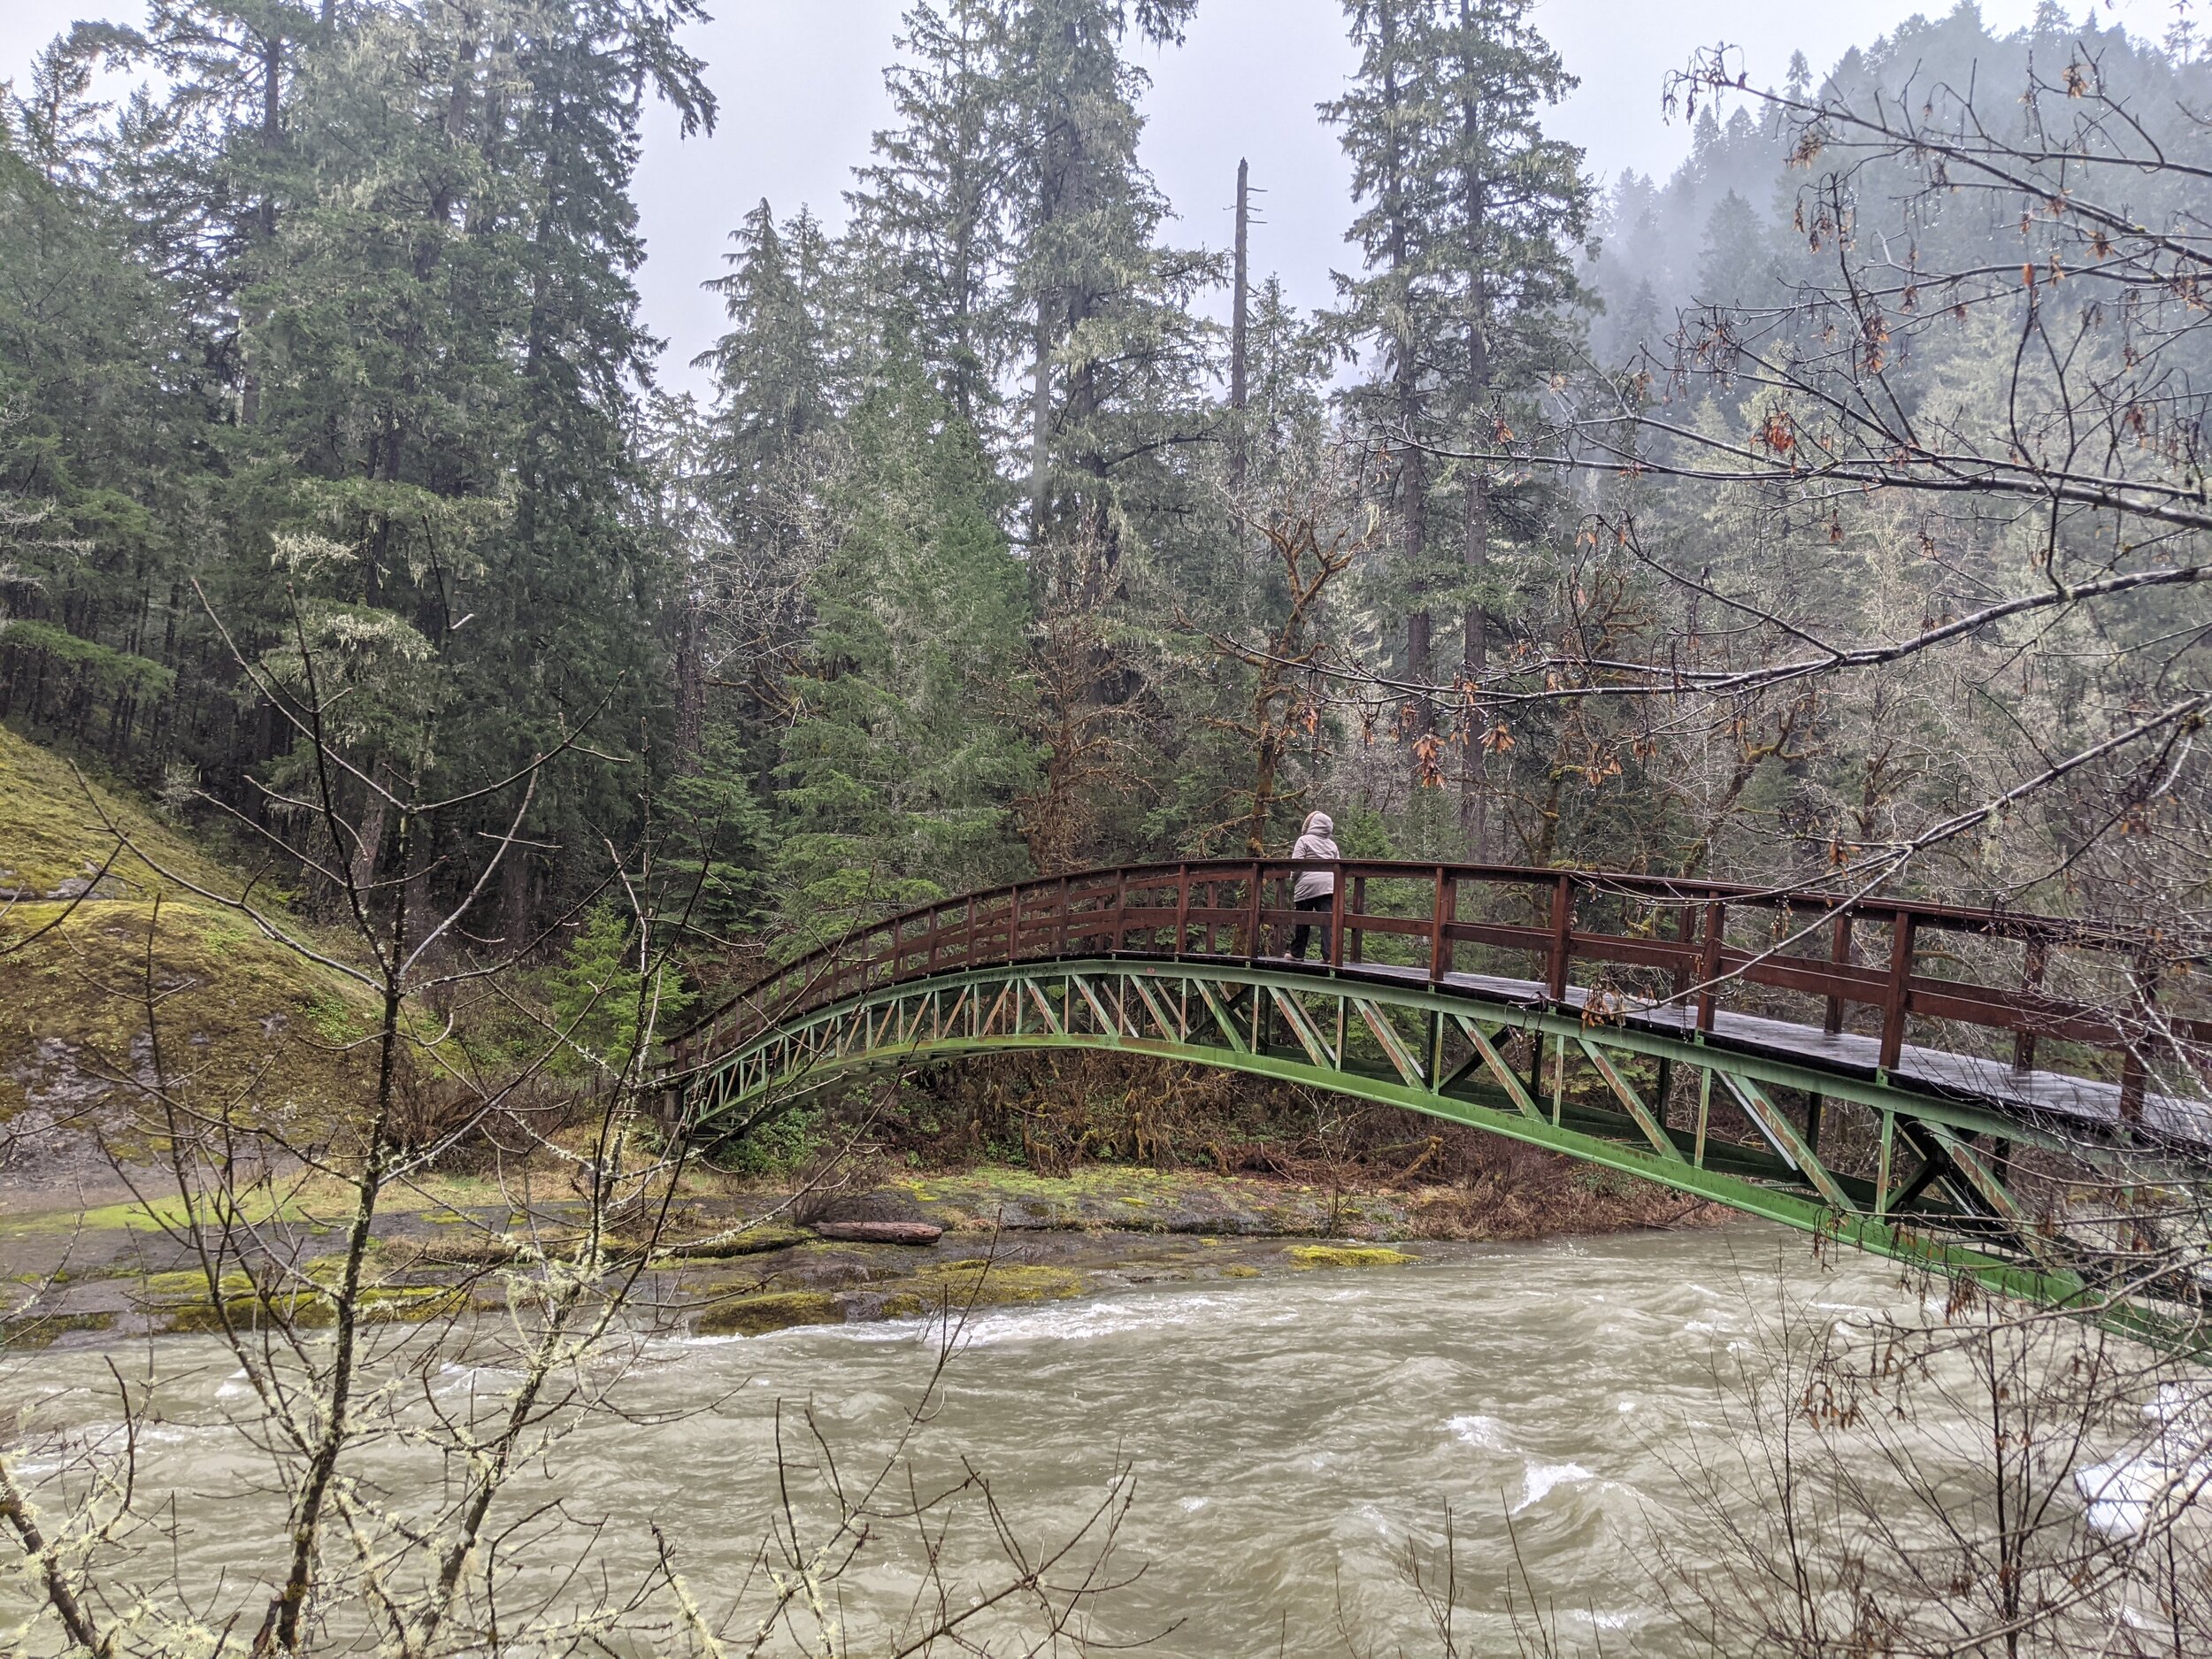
<point x="1316" y="888"/>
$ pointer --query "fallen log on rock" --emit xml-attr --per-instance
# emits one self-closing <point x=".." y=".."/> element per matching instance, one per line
<point x="880" y="1232"/>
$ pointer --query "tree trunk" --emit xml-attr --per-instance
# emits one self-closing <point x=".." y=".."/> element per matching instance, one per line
<point x="1473" y="809"/>
<point x="1475" y="547"/>
<point x="264" y="223"/>
<point x="1412" y="471"/>
<point x="1040" y="422"/>
<point x="1237" y="329"/>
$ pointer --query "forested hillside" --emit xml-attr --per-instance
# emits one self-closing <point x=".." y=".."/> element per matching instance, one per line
<point x="322" y="375"/>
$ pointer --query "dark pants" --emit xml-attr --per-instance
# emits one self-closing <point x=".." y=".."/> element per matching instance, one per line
<point x="1319" y="901"/>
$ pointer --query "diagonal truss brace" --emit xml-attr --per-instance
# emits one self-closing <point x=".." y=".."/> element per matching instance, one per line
<point x="1655" y="1132"/>
<point x="1782" y="1135"/>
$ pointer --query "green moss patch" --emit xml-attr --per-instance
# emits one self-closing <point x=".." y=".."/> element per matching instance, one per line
<point x="237" y="1009"/>
<point x="776" y="1310"/>
<point x="1346" y="1255"/>
<point x="957" y="1284"/>
<point x="179" y="1302"/>
<point x="44" y="1330"/>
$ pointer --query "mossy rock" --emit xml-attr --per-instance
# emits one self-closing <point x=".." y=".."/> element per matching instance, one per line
<point x="32" y="1330"/>
<point x="1239" y="1270"/>
<point x="957" y="1284"/>
<point x="1346" y="1255"/>
<point x="200" y="1318"/>
<point x="776" y="1310"/>
<point x="382" y="1304"/>
<point x="753" y="1241"/>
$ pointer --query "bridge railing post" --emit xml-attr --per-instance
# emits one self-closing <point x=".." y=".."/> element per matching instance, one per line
<point x="1182" y="910"/>
<point x="1708" y="964"/>
<point x="1442" y="904"/>
<point x="1840" y="954"/>
<point x="1336" y="914"/>
<point x="1685" y="936"/>
<point x="1252" y="915"/>
<point x="1562" y="909"/>
<point x="1896" y="995"/>
<point x="2142" y="999"/>
<point x="2032" y="972"/>
<point x="1358" y="952"/>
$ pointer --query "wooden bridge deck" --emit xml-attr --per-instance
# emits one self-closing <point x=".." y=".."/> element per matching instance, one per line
<point x="2058" y="1098"/>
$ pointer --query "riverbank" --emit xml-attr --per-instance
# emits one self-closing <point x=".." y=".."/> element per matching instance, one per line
<point x="732" y="1257"/>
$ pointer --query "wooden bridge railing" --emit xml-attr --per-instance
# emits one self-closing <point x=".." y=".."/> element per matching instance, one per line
<point x="1850" y="953"/>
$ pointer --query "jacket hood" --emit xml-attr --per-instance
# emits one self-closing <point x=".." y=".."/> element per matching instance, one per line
<point x="1320" y="824"/>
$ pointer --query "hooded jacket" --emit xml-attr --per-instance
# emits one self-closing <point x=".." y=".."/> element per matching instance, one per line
<point x="1316" y="842"/>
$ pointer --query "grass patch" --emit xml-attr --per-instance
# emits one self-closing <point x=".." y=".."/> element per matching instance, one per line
<point x="236" y="1007"/>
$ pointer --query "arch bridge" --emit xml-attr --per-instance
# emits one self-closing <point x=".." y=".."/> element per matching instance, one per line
<point x="2005" y="1098"/>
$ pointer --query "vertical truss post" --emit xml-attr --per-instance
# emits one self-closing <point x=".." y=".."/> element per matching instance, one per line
<point x="1704" y="1111"/>
<point x="1882" y="1163"/>
<point x="1558" y="1077"/>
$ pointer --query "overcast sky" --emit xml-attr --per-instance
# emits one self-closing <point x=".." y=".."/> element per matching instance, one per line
<point x="802" y="88"/>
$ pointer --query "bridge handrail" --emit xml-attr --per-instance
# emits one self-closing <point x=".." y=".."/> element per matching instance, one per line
<point x="1044" y="918"/>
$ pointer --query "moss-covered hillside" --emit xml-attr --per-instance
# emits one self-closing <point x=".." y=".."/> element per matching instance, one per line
<point x="238" y="1017"/>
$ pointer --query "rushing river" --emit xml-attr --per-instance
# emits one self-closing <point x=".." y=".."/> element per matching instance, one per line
<point x="1288" y="1437"/>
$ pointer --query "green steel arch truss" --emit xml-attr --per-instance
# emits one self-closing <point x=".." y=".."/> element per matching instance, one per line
<point x="1922" y="1177"/>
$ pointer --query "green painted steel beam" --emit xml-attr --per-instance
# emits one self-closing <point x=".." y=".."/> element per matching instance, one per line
<point x="1879" y="1095"/>
<point x="817" y="1050"/>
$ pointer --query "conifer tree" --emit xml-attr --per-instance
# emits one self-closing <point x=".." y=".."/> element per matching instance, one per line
<point x="900" y="764"/>
<point x="1514" y="212"/>
<point x="1391" y="304"/>
<point x="935" y="206"/>
<point x="1471" y="243"/>
<point x="1113" y="346"/>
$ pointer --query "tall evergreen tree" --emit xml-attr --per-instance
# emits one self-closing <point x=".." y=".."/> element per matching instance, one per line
<point x="900" y="760"/>
<point x="936" y="204"/>
<point x="1114" y="345"/>
<point x="1514" y="215"/>
<point x="1472" y="242"/>
<point x="1390" y="305"/>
